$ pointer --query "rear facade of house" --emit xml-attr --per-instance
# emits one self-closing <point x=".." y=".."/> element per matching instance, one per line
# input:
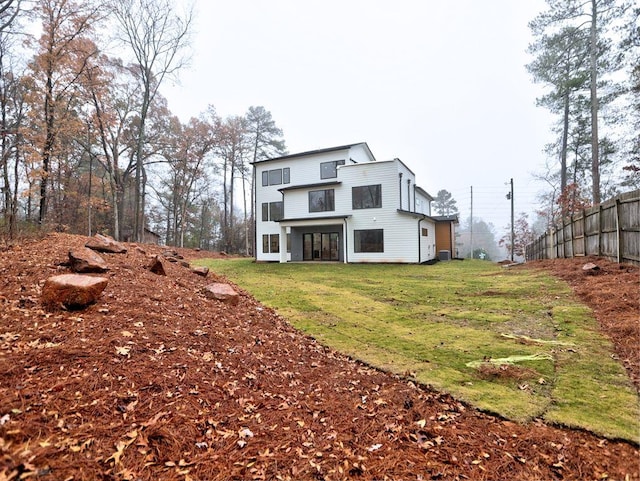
<point x="339" y="204"/>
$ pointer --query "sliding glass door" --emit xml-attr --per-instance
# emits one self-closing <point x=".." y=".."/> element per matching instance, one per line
<point x="320" y="246"/>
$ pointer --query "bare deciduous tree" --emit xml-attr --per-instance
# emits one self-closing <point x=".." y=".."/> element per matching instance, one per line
<point x="157" y="38"/>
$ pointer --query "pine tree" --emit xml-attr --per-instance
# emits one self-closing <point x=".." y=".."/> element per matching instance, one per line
<point x="574" y="56"/>
<point x="444" y="203"/>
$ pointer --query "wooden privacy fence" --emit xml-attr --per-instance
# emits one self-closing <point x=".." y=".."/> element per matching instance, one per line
<point x="611" y="230"/>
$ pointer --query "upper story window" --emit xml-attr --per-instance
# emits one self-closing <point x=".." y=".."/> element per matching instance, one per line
<point x="329" y="170"/>
<point x="322" y="200"/>
<point x="366" y="196"/>
<point x="273" y="211"/>
<point x="276" y="176"/>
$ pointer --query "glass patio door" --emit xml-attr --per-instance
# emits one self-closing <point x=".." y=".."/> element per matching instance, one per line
<point x="320" y="246"/>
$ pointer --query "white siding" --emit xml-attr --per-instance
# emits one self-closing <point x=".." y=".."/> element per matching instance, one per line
<point x="303" y="170"/>
<point x="428" y="242"/>
<point x="266" y="194"/>
<point x="403" y="239"/>
<point x="423" y="204"/>
<point x="400" y="230"/>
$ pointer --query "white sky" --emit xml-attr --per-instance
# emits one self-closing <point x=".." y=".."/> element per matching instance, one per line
<point x="442" y="85"/>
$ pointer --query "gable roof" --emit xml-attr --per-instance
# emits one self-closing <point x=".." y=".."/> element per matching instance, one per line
<point x="315" y="152"/>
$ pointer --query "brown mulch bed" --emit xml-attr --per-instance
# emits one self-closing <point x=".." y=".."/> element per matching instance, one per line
<point x="156" y="381"/>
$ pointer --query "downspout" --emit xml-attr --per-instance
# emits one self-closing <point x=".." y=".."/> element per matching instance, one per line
<point x="414" y="198"/>
<point x="255" y="215"/>
<point x="419" y="242"/>
<point x="346" y="249"/>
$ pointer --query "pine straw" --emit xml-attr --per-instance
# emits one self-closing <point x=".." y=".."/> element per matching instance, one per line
<point x="157" y="382"/>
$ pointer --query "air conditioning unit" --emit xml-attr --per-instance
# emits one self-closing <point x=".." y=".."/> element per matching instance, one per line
<point x="444" y="255"/>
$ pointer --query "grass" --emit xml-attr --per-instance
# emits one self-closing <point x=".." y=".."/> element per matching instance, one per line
<point x="442" y="324"/>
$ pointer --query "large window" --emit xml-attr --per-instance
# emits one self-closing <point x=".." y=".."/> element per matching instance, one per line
<point x="276" y="176"/>
<point x="273" y="211"/>
<point x="329" y="170"/>
<point x="367" y="196"/>
<point x="321" y="200"/>
<point x="368" y="240"/>
<point x="271" y="243"/>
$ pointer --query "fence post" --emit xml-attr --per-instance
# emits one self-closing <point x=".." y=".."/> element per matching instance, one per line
<point x="584" y="232"/>
<point x="599" y="230"/>
<point x="618" y="231"/>
<point x="572" y="237"/>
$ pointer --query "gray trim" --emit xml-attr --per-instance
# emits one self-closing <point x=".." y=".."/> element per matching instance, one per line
<point x="310" y="186"/>
<point x="331" y="217"/>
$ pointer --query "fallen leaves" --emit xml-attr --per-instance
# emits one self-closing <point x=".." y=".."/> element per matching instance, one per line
<point x="154" y="382"/>
<point x="123" y="350"/>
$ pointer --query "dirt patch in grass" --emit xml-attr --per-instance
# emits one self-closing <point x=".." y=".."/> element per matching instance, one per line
<point x="490" y="371"/>
<point x="156" y="381"/>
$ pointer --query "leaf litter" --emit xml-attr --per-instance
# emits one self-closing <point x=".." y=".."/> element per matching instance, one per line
<point x="155" y="381"/>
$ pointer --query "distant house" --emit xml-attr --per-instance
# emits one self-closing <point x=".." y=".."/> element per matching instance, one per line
<point x="340" y="204"/>
<point x="148" y="236"/>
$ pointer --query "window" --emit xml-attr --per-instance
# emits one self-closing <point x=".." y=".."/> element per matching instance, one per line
<point x="273" y="211"/>
<point x="425" y="232"/>
<point x="367" y="196"/>
<point x="329" y="170"/>
<point x="321" y="200"/>
<point x="368" y="240"/>
<point x="276" y="210"/>
<point x="274" y="240"/>
<point x="276" y="176"/>
<point x="271" y="243"/>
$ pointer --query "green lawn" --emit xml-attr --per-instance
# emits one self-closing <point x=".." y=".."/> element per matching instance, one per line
<point x="460" y="327"/>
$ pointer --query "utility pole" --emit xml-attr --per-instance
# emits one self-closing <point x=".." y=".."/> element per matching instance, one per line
<point x="471" y="224"/>
<point x="513" y="235"/>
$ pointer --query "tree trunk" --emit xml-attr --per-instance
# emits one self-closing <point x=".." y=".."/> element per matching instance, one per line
<point x="593" y="67"/>
<point x="138" y="222"/>
<point x="14" y="201"/>
<point x="244" y="203"/>
<point x="565" y="142"/>
<point x="48" y="147"/>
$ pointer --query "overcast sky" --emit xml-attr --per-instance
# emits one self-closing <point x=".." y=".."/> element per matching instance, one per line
<point x="441" y="85"/>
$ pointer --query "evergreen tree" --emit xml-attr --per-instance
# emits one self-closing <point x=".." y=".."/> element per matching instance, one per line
<point x="444" y="203"/>
<point x="574" y="57"/>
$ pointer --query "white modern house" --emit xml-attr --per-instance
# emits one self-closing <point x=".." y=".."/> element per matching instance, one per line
<point x="340" y="204"/>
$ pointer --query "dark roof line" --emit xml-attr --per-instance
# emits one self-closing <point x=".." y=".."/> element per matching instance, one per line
<point x="308" y="186"/>
<point x="436" y="218"/>
<point x="447" y="218"/>
<point x="331" y="217"/>
<point x="313" y="152"/>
